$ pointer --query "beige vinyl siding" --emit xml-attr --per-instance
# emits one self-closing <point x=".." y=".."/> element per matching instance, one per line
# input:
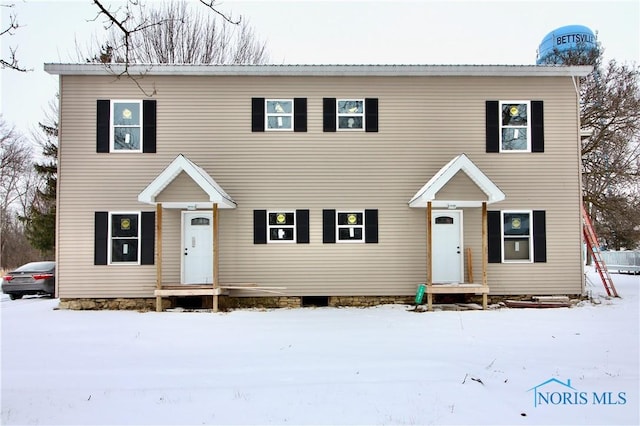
<point x="461" y="187"/>
<point x="182" y="189"/>
<point x="424" y="122"/>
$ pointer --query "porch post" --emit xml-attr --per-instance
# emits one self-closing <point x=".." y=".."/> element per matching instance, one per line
<point x="485" y="253"/>
<point x="215" y="257"/>
<point x="429" y="259"/>
<point x="159" y="255"/>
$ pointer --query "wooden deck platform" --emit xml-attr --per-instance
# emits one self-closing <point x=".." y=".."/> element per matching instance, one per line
<point x="189" y="290"/>
<point x="476" y="289"/>
<point x="183" y="290"/>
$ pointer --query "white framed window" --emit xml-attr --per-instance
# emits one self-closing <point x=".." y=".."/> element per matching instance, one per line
<point x="517" y="233"/>
<point x="281" y="226"/>
<point x="126" y="126"/>
<point x="350" y="226"/>
<point x="515" y="126"/>
<point x="350" y="114"/>
<point x="278" y="114"/>
<point x="124" y="238"/>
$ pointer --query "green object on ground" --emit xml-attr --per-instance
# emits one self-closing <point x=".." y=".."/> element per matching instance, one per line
<point x="420" y="294"/>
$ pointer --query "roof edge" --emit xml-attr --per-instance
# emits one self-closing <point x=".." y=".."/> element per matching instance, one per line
<point x="320" y="70"/>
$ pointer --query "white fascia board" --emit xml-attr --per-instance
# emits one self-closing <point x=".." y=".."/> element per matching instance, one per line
<point x="452" y="204"/>
<point x="429" y="189"/>
<point x="207" y="183"/>
<point x="445" y="174"/>
<point x="186" y="205"/>
<point x="321" y="70"/>
<point x="200" y="177"/>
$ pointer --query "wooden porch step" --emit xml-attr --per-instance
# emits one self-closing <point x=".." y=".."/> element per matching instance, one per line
<point x="464" y="288"/>
<point x="166" y="291"/>
<point x="457" y="289"/>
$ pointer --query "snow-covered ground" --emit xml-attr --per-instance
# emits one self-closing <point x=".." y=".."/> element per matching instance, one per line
<point x="383" y="365"/>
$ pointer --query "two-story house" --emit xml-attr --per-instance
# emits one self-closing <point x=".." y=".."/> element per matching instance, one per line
<point x="337" y="184"/>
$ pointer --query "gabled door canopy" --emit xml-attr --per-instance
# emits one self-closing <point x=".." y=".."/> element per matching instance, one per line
<point x="180" y="164"/>
<point x="428" y="192"/>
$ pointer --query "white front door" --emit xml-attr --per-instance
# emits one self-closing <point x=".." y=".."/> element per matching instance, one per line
<point x="447" y="257"/>
<point x="197" y="252"/>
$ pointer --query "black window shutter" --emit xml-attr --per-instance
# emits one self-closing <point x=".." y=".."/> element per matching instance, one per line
<point x="147" y="238"/>
<point x="371" y="114"/>
<point x="494" y="237"/>
<point x="537" y="127"/>
<point x="149" y="125"/>
<point x="329" y="115"/>
<point x="259" y="227"/>
<point x="101" y="230"/>
<point x="302" y="226"/>
<point x="300" y="115"/>
<point x="492" y="117"/>
<point x="539" y="236"/>
<point x="371" y="226"/>
<point x="103" y="115"/>
<point x="257" y="114"/>
<point x="328" y="226"/>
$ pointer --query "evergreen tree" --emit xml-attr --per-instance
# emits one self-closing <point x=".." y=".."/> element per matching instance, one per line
<point x="40" y="220"/>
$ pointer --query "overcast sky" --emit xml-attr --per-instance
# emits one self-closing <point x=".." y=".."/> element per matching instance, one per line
<point x="321" y="32"/>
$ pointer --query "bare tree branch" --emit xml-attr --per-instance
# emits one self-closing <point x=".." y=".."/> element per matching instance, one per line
<point x="610" y="112"/>
<point x="212" y="4"/>
<point x="15" y="161"/>
<point x="170" y="33"/>
<point x="12" y="61"/>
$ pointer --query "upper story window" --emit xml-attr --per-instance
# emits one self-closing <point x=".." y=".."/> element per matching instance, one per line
<point x="515" y="132"/>
<point x="514" y="126"/>
<point x="281" y="226"/>
<point x="279" y="114"/>
<point x="350" y="114"/>
<point x="127" y="126"/>
<point x="124" y="235"/>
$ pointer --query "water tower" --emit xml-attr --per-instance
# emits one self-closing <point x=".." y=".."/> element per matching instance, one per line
<point x="576" y="38"/>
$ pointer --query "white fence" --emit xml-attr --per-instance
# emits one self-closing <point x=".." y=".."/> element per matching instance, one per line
<point x="622" y="261"/>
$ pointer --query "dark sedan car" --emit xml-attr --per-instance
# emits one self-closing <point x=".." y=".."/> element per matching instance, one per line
<point x="32" y="278"/>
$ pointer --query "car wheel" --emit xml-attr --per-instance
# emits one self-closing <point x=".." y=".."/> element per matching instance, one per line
<point x="15" y="296"/>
